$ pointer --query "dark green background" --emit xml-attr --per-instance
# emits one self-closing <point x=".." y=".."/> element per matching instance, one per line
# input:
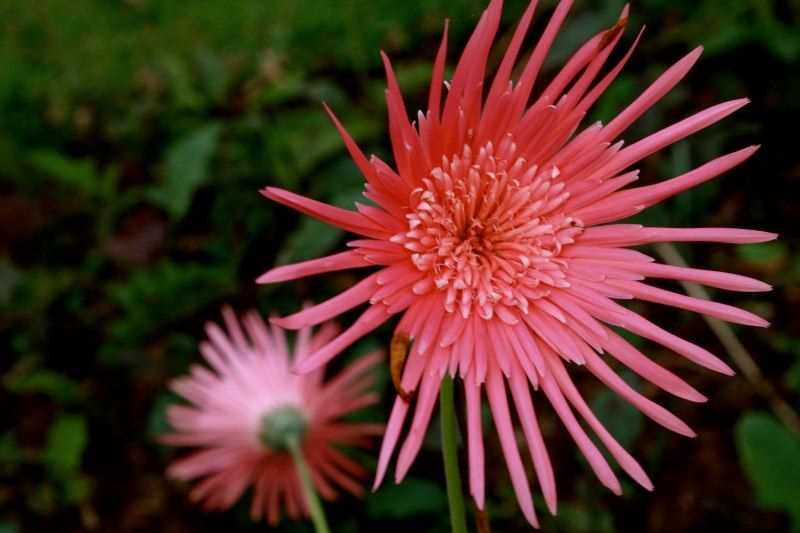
<point x="134" y="136"/>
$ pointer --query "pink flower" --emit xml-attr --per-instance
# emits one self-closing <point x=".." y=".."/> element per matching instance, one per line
<point x="492" y="239"/>
<point x="248" y="401"/>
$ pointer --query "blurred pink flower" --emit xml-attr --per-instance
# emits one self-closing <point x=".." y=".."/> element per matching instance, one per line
<point x="493" y="241"/>
<point x="247" y="399"/>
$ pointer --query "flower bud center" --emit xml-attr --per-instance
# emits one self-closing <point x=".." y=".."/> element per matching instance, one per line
<point x="283" y="427"/>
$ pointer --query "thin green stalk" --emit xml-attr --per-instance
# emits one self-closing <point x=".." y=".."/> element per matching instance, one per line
<point x="314" y="504"/>
<point x="455" y="498"/>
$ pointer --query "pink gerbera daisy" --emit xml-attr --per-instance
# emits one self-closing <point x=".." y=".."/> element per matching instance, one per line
<point x="492" y="238"/>
<point x="248" y="405"/>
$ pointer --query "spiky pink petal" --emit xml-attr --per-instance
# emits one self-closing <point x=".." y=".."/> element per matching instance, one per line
<point x="341" y="261"/>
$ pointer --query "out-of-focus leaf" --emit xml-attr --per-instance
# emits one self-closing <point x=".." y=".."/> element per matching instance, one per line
<point x="301" y="140"/>
<point x="77" y="173"/>
<point x="781" y="39"/>
<point x="770" y="456"/>
<point x="763" y="253"/>
<point x="9" y="450"/>
<point x="157" y="421"/>
<point x="578" y="519"/>
<point x="156" y="297"/>
<point x="311" y="239"/>
<point x="783" y="42"/>
<point x="186" y="170"/>
<point x="680" y="160"/>
<point x="181" y="82"/>
<point x="42" y="499"/>
<point x="414" y="76"/>
<point x="59" y="387"/>
<point x="9" y="527"/>
<point x="212" y="72"/>
<point x="792" y="378"/>
<point x="618" y="95"/>
<point x="785" y="343"/>
<point x="411" y="498"/>
<point x="36" y="289"/>
<point x="76" y="488"/>
<point x="74" y="174"/>
<point x="9" y="280"/>
<point x="66" y="441"/>
<point x="340" y="182"/>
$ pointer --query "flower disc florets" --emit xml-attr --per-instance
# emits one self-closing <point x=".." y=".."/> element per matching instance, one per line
<point x="487" y="228"/>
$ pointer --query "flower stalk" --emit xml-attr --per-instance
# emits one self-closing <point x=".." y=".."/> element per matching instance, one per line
<point x="455" y="496"/>
<point x="312" y="499"/>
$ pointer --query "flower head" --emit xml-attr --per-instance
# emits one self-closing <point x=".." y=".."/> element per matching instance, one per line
<point x="248" y="408"/>
<point x="492" y="238"/>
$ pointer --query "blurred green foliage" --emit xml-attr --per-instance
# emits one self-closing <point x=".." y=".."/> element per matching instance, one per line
<point x="414" y="497"/>
<point x="770" y="455"/>
<point x="134" y="136"/>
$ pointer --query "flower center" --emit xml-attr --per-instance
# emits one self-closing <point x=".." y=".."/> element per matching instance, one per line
<point x="488" y="229"/>
<point x="283" y="427"/>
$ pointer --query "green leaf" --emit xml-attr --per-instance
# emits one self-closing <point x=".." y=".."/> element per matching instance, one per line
<point x="770" y="456"/>
<point x="156" y="297"/>
<point x="211" y="72"/>
<point x="186" y="170"/>
<point x="182" y="82"/>
<point x="9" y="527"/>
<point x="411" y="498"/>
<point x="310" y="240"/>
<point x="42" y="499"/>
<point x="313" y="238"/>
<point x="768" y="252"/>
<point x="77" y="176"/>
<point x="580" y="519"/>
<point x="792" y="378"/>
<point x="10" y="277"/>
<point x="157" y="421"/>
<point x="59" y="387"/>
<point x="66" y="442"/>
<point x="302" y="140"/>
<point x="10" y="453"/>
<point x="77" y="488"/>
<point x="74" y="173"/>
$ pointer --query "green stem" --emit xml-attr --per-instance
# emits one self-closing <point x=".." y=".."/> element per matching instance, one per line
<point x="314" y="504"/>
<point x="455" y="498"/>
